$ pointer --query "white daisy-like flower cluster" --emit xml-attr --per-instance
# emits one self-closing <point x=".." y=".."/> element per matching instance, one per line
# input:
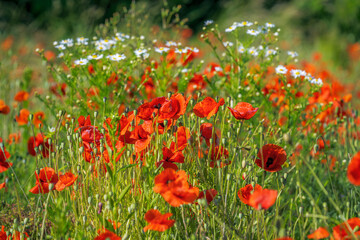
<point x="116" y="57"/>
<point x="253" y="51"/>
<point x="141" y="53"/>
<point x="95" y="57"/>
<point x="236" y="25"/>
<point x="208" y="22"/>
<point x="253" y="32"/>
<point x="297" y="73"/>
<point x="100" y="45"/>
<point x="162" y="50"/>
<point x="171" y="43"/>
<point x="270" y="52"/>
<point x="81" y="61"/>
<point x="82" y="41"/>
<point x="292" y="54"/>
<point x="228" y="44"/>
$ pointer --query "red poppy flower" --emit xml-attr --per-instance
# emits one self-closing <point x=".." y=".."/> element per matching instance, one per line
<point x="21" y="96"/>
<point x="2" y="185"/>
<point x="196" y="83"/>
<point x="58" y="89"/>
<point x="271" y="157"/>
<point x="174" y="188"/>
<point x="206" y="132"/>
<point x="182" y="137"/>
<point x="36" y="141"/>
<point x="13" y="138"/>
<point x="112" y="79"/>
<point x="91" y="69"/>
<point x="342" y="231"/>
<point x="319" y="233"/>
<point x="245" y="193"/>
<point x="209" y="194"/>
<point x="4" y="156"/>
<point x="353" y="171"/>
<point x="207" y="107"/>
<point x="219" y="154"/>
<point x="44" y="179"/>
<point x="141" y="136"/>
<point x="90" y="134"/>
<point x="17" y="236"/>
<point x="65" y="180"/>
<point x="4" y="109"/>
<point x="115" y="225"/>
<point x="38" y="118"/>
<point x="243" y="111"/>
<point x="23" y="117"/>
<point x="170" y="157"/>
<point x="263" y="198"/>
<point x="212" y="69"/>
<point x="3" y="235"/>
<point x="157" y="221"/>
<point x="107" y="235"/>
<point x="173" y="108"/>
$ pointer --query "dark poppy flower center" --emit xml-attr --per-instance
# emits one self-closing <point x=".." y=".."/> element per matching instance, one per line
<point x="269" y="161"/>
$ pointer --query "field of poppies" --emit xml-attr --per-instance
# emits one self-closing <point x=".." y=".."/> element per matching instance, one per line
<point x="140" y="132"/>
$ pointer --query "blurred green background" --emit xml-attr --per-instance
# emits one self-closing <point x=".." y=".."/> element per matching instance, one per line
<point x="327" y="26"/>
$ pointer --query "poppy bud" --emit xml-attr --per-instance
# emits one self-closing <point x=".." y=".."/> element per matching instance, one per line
<point x="81" y="150"/>
<point x="84" y="219"/>
<point x="131" y="208"/>
<point x="97" y="196"/>
<point x="300" y="210"/>
<point x="26" y="221"/>
<point x="243" y="164"/>
<point x="31" y="117"/>
<point x="202" y="202"/>
<point x="126" y="236"/>
<point x="325" y="206"/>
<point x="100" y="207"/>
<point x="37" y="171"/>
<point x="316" y="148"/>
<point x="96" y="114"/>
<point x="40" y="148"/>
<point x="51" y="186"/>
<point x="89" y="200"/>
